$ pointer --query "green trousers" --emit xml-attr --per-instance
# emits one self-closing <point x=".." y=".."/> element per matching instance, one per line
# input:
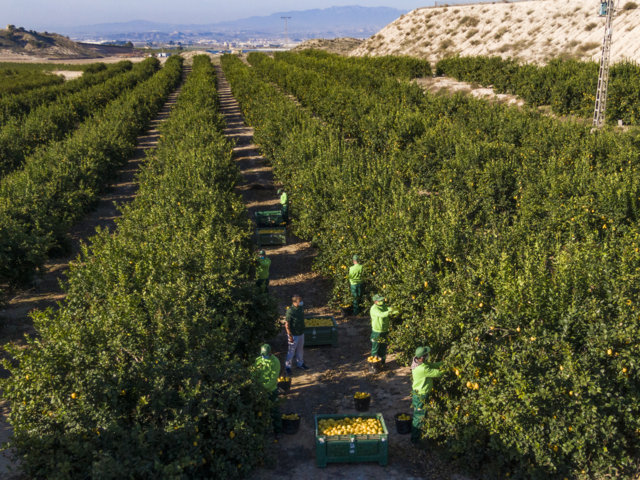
<point x="263" y="284"/>
<point x="379" y="345"/>
<point x="285" y="213"/>
<point x="418" y="403"/>
<point x="276" y="417"/>
<point x="356" y="293"/>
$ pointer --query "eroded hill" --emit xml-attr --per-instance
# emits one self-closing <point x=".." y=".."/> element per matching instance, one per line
<point x="534" y="31"/>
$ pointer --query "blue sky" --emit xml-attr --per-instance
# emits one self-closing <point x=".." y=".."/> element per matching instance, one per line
<point x="48" y="14"/>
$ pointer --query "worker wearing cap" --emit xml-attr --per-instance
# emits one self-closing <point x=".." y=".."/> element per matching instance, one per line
<point x="422" y="375"/>
<point x="284" y="204"/>
<point x="355" y="282"/>
<point x="379" y="327"/>
<point x="264" y="263"/>
<point x="267" y="369"/>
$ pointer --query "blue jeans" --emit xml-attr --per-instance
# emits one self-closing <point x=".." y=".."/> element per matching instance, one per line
<point x="296" y="348"/>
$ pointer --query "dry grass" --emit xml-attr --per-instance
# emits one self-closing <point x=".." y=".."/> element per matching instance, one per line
<point x="500" y="33"/>
<point x="468" y="20"/>
<point x="586" y="47"/>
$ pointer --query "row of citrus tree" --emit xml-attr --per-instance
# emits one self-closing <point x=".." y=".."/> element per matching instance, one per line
<point x="16" y="79"/>
<point x="506" y="239"/>
<point x="20" y="104"/>
<point x="58" y="183"/>
<point x="20" y="137"/>
<point x="142" y="372"/>
<point x="568" y="86"/>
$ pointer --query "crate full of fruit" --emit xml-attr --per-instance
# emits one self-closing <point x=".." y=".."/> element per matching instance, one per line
<point x="320" y="330"/>
<point x="351" y="439"/>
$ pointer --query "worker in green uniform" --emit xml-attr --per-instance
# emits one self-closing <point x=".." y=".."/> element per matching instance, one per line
<point x="422" y="375"/>
<point x="284" y="205"/>
<point x="355" y="282"/>
<point x="264" y="263"/>
<point x="267" y="369"/>
<point x="380" y="327"/>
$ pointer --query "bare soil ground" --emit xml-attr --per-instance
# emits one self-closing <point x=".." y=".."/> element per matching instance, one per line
<point x="448" y="84"/>
<point x="47" y="292"/>
<point x="336" y="373"/>
<point x="68" y="74"/>
<point x="7" y="56"/>
<point x="341" y="46"/>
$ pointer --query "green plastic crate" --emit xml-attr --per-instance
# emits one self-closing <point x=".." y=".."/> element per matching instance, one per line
<point x="320" y="335"/>
<point x="271" y="236"/>
<point x="352" y="448"/>
<point x="269" y="218"/>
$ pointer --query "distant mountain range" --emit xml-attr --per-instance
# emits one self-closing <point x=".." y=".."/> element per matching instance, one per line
<point x="354" y="21"/>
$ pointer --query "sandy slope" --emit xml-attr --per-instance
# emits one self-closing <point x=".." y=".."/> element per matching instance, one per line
<point x="534" y="31"/>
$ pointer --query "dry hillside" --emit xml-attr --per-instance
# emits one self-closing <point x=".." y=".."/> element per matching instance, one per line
<point x="16" y="41"/>
<point x="341" y="46"/>
<point x="534" y="31"/>
<point x="21" y="41"/>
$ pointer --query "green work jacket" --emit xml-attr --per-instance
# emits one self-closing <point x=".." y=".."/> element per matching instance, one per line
<point x="295" y="319"/>
<point x="355" y="274"/>
<point x="380" y="318"/>
<point x="284" y="199"/>
<point x="267" y="371"/>
<point x="422" y="377"/>
<point x="263" y="268"/>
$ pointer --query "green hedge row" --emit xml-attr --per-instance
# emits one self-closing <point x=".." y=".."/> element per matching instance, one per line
<point x="59" y="183"/>
<point x="508" y="241"/>
<point x="368" y="69"/>
<point x="14" y="80"/>
<point x="20" y="104"/>
<point x="22" y="136"/>
<point x="568" y="86"/>
<point x="143" y="372"/>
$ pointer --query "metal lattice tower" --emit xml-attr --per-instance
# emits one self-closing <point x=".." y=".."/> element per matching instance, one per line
<point x="286" y="29"/>
<point x="600" y="109"/>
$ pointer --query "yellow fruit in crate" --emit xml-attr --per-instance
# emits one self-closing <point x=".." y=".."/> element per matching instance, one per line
<point x="350" y="426"/>
<point x="361" y="395"/>
<point x="372" y="359"/>
<point x="404" y="417"/>
<point x="290" y="416"/>
<point x="318" y="322"/>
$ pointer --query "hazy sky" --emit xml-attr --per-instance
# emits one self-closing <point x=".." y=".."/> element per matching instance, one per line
<point x="43" y="14"/>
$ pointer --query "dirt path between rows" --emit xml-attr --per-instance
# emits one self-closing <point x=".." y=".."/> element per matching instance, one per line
<point x="47" y="292"/>
<point x="336" y="373"/>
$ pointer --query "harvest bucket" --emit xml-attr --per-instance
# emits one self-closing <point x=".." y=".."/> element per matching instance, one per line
<point x="403" y="426"/>
<point x="362" y="404"/>
<point x="290" y="426"/>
